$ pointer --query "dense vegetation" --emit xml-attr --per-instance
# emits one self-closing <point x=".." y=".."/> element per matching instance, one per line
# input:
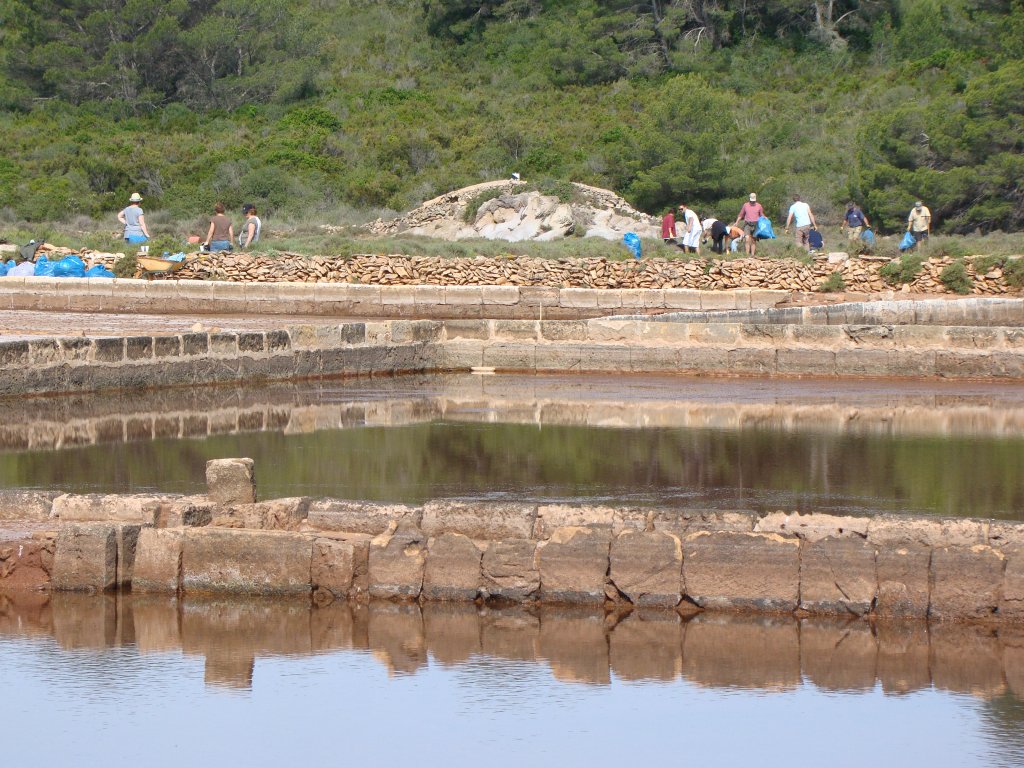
<point x="332" y="109"/>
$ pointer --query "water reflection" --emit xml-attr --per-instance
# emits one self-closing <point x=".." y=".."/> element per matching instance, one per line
<point x="756" y="653"/>
<point x="198" y="678"/>
<point x="843" y="447"/>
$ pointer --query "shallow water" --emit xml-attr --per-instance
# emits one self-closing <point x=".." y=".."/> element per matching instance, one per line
<point x="847" y="447"/>
<point x="162" y="682"/>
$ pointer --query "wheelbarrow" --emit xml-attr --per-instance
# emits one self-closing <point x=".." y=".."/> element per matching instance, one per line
<point x="154" y="266"/>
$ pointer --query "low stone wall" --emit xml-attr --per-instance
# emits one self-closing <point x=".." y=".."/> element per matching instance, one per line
<point x="77" y="364"/>
<point x="616" y="558"/>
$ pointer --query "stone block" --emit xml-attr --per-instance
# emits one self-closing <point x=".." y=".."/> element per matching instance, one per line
<point x="231" y="481"/>
<point x="340" y="567"/>
<point x="606" y="357"/>
<point x="720" y="300"/>
<point x="463" y="294"/>
<point x="745" y="571"/>
<point x="359" y="517"/>
<point x="663" y="333"/>
<point x="428" y="295"/>
<point x="903" y="580"/>
<point x="811" y="362"/>
<point x="86" y="557"/>
<point x="812" y="527"/>
<point x="141" y="509"/>
<point x="275" y="515"/>
<point x="708" y="359"/>
<point x="246" y="562"/>
<point x="158" y="560"/>
<point x="396" y="563"/>
<point x="967" y="582"/>
<point x="467" y="329"/>
<point x="452" y="569"/>
<point x="516" y="330"/>
<point x="578" y="298"/>
<point x="573" y="565"/>
<point x="609" y="299"/>
<point x="715" y="333"/>
<point x="563" y="330"/>
<point x="647" y="568"/>
<point x="500" y="294"/>
<point x="939" y="532"/>
<point x="614" y="330"/>
<point x="26" y="505"/>
<point x="550" y="517"/>
<point x="510" y="356"/>
<point x="461" y="355"/>
<point x="485" y="521"/>
<point x="750" y="360"/>
<point x="864" y="362"/>
<point x="838" y="576"/>
<point x="397" y="294"/>
<point x="654" y="359"/>
<point x="682" y="298"/>
<point x="767" y="298"/>
<point x="509" y="569"/>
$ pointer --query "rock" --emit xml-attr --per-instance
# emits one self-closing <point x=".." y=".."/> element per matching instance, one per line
<point x="86" y="557"/>
<point x="246" y="562"/>
<point x="396" y="562"/>
<point x="904" y="590"/>
<point x="479" y="521"/>
<point x="359" y="517"/>
<point x="742" y="571"/>
<point x="647" y="568"/>
<point x="452" y="570"/>
<point x="158" y="560"/>
<point x="231" y="481"/>
<point x="838" y="575"/>
<point x="509" y="569"/>
<point x="573" y="564"/>
<point x="967" y="582"/>
<point x="340" y="567"/>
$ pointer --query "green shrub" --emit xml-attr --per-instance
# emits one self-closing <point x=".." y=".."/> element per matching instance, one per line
<point x="834" y="284"/>
<point x="902" y="270"/>
<point x="126" y="266"/>
<point x="474" y="203"/>
<point x="954" y="276"/>
<point x="1013" y="273"/>
<point x="986" y="264"/>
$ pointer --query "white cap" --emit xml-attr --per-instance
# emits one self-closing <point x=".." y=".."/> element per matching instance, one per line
<point x="753" y="197"/>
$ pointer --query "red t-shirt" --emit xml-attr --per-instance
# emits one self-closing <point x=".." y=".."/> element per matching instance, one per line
<point x="668" y="226"/>
<point x="751" y="212"/>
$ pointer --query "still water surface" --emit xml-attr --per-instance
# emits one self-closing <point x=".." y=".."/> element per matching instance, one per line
<point x="847" y="447"/>
<point x="157" y="682"/>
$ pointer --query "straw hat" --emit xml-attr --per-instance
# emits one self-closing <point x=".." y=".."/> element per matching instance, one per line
<point x="135" y="198"/>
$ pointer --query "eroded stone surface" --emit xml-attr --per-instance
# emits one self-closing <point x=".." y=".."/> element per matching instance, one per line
<point x="158" y="560"/>
<point x="340" y="567"/>
<point x="231" y="481"/>
<point x="246" y="561"/>
<point x="838" y="575"/>
<point x="509" y="569"/>
<point x="452" y="569"/>
<point x="574" y="565"/>
<point x="967" y="582"/>
<point x="647" y="567"/>
<point x="487" y="522"/>
<point x="396" y="562"/>
<point x="904" y="588"/>
<point x="747" y="571"/>
<point x="86" y="557"/>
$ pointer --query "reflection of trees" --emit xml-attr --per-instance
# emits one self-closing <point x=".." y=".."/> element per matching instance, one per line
<point x="1003" y="726"/>
<point x="793" y="469"/>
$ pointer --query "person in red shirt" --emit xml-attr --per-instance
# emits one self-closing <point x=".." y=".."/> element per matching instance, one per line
<point x="668" y="227"/>
<point x="749" y="214"/>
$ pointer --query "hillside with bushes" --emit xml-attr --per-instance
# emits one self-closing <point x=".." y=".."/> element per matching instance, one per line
<point x="337" y="110"/>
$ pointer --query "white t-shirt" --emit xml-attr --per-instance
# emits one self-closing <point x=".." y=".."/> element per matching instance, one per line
<point x="801" y="213"/>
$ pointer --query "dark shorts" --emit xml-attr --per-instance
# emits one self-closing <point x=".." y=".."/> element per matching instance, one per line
<point x="919" y="236"/>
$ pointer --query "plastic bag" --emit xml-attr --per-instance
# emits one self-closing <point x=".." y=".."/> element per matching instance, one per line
<point x="764" y="229"/>
<point x="69" y="266"/>
<point x="908" y="242"/>
<point x="98" y="271"/>
<point x="25" y="269"/>
<point x="632" y="241"/>
<point x="3" y="270"/>
<point x="43" y="267"/>
<point x="868" y="237"/>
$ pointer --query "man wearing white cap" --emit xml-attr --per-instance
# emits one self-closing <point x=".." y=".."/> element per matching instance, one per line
<point x="749" y="215"/>
<point x="134" y="221"/>
<point x="919" y="222"/>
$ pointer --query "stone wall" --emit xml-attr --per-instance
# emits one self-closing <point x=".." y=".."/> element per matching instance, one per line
<point x="75" y="364"/>
<point x="599" y="556"/>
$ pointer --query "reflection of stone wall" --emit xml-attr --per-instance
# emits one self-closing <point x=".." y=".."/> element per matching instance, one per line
<point x="776" y="653"/>
<point x="18" y="433"/>
<point x="618" y="558"/>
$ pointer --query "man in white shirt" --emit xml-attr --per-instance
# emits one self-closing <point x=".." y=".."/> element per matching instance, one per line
<point x="800" y="213"/>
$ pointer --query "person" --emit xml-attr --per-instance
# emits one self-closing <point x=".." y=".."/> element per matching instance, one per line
<point x="134" y="221"/>
<point x="221" y="231"/>
<point x="668" y="227"/>
<point x="854" y="222"/>
<point x="919" y="222"/>
<point x="691" y="229"/>
<point x="749" y="215"/>
<point x="251" y="227"/>
<point x="718" y="230"/>
<point x="800" y="213"/>
<point x="733" y="236"/>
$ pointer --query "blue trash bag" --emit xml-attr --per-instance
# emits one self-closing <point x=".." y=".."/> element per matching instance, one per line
<point x="868" y="237"/>
<point x="44" y="267"/>
<point x="11" y="264"/>
<point x="69" y="266"/>
<point x="3" y="270"/>
<point x="908" y="242"/>
<point x="632" y="241"/>
<point x="98" y="271"/>
<point x="764" y="229"/>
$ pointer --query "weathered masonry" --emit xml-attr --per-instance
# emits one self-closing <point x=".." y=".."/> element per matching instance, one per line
<point x="228" y="543"/>
<point x="973" y="338"/>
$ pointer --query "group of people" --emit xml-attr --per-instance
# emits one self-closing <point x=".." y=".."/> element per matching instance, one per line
<point x="219" y="237"/>
<point x="689" y="232"/>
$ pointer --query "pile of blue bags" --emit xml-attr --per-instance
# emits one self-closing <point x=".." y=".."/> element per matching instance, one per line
<point x="69" y="266"/>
